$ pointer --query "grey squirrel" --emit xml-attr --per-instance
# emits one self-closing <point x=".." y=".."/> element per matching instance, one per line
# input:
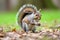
<point x="28" y="18"/>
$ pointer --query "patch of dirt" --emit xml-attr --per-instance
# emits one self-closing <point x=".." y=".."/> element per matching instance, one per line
<point x="47" y="34"/>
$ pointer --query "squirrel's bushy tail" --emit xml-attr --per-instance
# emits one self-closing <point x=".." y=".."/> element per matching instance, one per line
<point x="21" y="14"/>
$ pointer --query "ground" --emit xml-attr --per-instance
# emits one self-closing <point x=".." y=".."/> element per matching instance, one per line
<point x="50" y="20"/>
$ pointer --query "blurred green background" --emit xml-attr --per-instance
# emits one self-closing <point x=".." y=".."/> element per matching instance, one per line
<point x="50" y="11"/>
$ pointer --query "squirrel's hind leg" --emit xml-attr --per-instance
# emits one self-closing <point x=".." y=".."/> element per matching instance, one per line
<point x="25" y="27"/>
<point x="33" y="29"/>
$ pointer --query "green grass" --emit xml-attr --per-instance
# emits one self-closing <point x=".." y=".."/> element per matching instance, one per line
<point x="50" y="15"/>
<point x="9" y="18"/>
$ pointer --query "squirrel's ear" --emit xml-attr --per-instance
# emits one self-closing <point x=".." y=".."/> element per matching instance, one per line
<point x="39" y="10"/>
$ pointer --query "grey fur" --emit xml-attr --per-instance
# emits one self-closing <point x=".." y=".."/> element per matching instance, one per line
<point x="30" y="17"/>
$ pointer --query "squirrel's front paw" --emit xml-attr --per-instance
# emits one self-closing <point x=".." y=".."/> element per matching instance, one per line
<point x="38" y="24"/>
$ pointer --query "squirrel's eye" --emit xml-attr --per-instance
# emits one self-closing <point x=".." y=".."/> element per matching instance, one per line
<point x="36" y="15"/>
